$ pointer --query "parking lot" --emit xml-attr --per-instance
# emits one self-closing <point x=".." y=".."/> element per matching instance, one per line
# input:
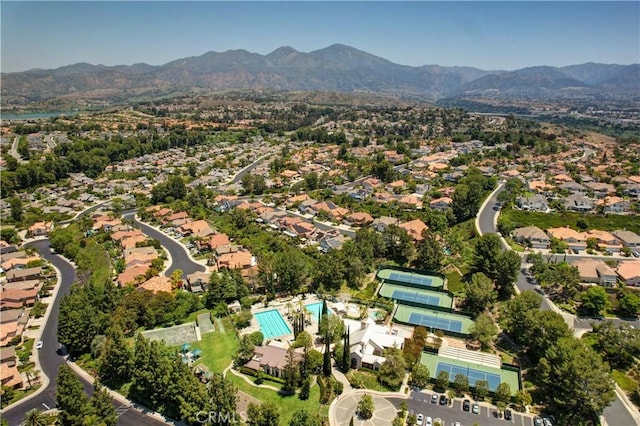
<point x="420" y="403"/>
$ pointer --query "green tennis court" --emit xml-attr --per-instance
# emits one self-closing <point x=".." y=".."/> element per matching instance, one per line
<point x="432" y="319"/>
<point x="413" y="279"/>
<point x="475" y="372"/>
<point x="401" y="294"/>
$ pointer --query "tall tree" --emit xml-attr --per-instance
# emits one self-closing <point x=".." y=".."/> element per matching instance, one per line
<point x="291" y="373"/>
<point x="515" y="314"/>
<point x="594" y="300"/>
<point x="398" y="244"/>
<point x="70" y="398"/>
<point x="480" y="293"/>
<point x="102" y="406"/>
<point x="35" y="417"/>
<point x="429" y="254"/>
<point x="302" y="417"/>
<point x="393" y="369"/>
<point x="575" y="381"/>
<point x="115" y="360"/>
<point x="487" y="251"/>
<point x="265" y="414"/>
<point x="223" y="396"/>
<point x="507" y="269"/>
<point x="484" y="330"/>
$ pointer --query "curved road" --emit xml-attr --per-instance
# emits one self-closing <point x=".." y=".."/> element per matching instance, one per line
<point x="179" y="256"/>
<point x="616" y="414"/>
<point x="50" y="361"/>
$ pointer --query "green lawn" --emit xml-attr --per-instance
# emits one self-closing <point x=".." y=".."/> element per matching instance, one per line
<point x="288" y="404"/>
<point x="454" y="282"/>
<point x="369" y="380"/>
<point x="552" y="220"/>
<point x="368" y="292"/>
<point x="624" y="381"/>
<point x="217" y="348"/>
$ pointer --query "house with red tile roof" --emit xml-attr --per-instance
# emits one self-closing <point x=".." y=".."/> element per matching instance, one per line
<point x="133" y="275"/>
<point x="441" y="204"/>
<point x="629" y="272"/>
<point x="157" y="284"/>
<point x="414" y="228"/>
<point x="217" y="240"/>
<point x="195" y="227"/>
<point x="360" y="218"/>
<point x="237" y="260"/>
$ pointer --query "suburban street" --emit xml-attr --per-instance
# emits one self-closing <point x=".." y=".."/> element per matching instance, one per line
<point x="616" y="414"/>
<point x="50" y="360"/>
<point x="179" y="255"/>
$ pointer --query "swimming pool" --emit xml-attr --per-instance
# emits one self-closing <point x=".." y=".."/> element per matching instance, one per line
<point x="315" y="309"/>
<point x="272" y="324"/>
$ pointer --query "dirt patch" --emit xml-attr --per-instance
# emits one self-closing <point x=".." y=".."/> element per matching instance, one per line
<point x="243" y="400"/>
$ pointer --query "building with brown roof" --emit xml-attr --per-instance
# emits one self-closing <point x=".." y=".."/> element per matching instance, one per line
<point x="360" y="218"/>
<point x="24" y="274"/>
<point x="237" y="260"/>
<point x="595" y="271"/>
<point x="270" y="359"/>
<point x="217" y="240"/>
<point x="157" y="284"/>
<point x="13" y="298"/>
<point x="629" y="272"/>
<point x="414" y="228"/>
<point x="133" y="275"/>
<point x="532" y="236"/>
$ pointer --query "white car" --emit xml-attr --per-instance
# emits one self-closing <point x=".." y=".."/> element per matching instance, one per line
<point x="420" y="418"/>
<point x="428" y="422"/>
<point x="39" y="344"/>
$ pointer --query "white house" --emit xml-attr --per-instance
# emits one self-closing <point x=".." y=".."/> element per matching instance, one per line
<point x="368" y="341"/>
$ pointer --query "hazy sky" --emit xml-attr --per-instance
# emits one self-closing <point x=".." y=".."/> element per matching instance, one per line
<point x="487" y="35"/>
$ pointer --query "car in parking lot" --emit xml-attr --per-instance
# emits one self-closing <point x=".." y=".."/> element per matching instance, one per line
<point x="537" y="421"/>
<point x="428" y="422"/>
<point x="547" y="421"/>
<point x="507" y="414"/>
<point x="420" y="418"/>
<point x="40" y="344"/>
<point x="475" y="409"/>
<point x="466" y="405"/>
<point x="443" y="399"/>
<point x="434" y="398"/>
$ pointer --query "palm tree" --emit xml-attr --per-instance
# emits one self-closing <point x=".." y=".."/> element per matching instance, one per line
<point x="35" y="417"/>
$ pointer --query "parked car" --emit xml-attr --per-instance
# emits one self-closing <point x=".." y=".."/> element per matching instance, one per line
<point x="428" y="422"/>
<point x="40" y="344"/>
<point x="547" y="421"/>
<point x="466" y="405"/>
<point x="475" y="409"/>
<point x="434" y="398"/>
<point x="507" y="414"/>
<point x="537" y="421"/>
<point x="443" y="399"/>
<point x="420" y="418"/>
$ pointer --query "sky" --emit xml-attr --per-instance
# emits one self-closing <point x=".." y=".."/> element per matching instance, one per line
<point x="504" y="35"/>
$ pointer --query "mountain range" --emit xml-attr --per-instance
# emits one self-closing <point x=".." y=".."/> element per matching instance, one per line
<point x="337" y="68"/>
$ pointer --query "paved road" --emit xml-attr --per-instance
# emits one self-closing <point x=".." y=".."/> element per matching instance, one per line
<point x="616" y="414"/>
<point x="238" y="177"/>
<point x="419" y="403"/>
<point x="179" y="255"/>
<point x="50" y="361"/>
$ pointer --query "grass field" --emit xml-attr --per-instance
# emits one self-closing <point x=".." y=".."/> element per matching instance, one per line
<point x="217" y="348"/>
<point x="454" y="282"/>
<point x="624" y="381"/>
<point x="553" y="220"/>
<point x="288" y="404"/>
<point x="369" y="380"/>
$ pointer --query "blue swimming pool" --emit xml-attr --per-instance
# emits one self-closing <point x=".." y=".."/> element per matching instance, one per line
<point x="272" y="324"/>
<point x="315" y="309"/>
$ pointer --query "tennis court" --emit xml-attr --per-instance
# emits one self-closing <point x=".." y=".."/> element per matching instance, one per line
<point x="473" y="374"/>
<point x="494" y="376"/>
<point x="432" y="319"/>
<point x="176" y="335"/>
<point x="413" y="279"/>
<point x="401" y="294"/>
